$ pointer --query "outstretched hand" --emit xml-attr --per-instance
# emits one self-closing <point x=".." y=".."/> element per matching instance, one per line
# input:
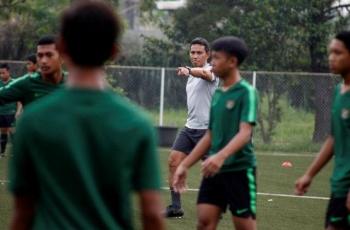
<point x="182" y="71"/>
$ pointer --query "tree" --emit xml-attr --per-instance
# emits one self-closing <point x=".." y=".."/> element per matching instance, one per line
<point x="284" y="36"/>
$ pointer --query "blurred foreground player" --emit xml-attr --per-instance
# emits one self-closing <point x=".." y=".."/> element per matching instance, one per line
<point x="79" y="171"/>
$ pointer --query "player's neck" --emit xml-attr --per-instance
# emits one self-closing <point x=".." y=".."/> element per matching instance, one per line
<point x="88" y="78"/>
<point x="231" y="79"/>
<point x="346" y="78"/>
<point x="54" y="78"/>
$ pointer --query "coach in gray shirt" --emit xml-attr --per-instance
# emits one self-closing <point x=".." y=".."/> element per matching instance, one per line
<point x="200" y="87"/>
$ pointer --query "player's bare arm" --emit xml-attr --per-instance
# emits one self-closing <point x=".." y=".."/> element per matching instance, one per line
<point x="197" y="153"/>
<point x="151" y="208"/>
<point x="199" y="72"/>
<point x="213" y="164"/>
<point x="322" y="158"/>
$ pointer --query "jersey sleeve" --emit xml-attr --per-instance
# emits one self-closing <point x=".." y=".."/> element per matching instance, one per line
<point x="250" y="107"/>
<point x="146" y="174"/>
<point x="21" y="171"/>
<point x="12" y="92"/>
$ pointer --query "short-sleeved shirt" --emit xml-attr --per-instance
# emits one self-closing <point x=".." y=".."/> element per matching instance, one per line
<point x="228" y="110"/>
<point x="27" y="88"/>
<point x="81" y="153"/>
<point x="10" y="108"/>
<point x="199" y="93"/>
<point x="340" y="180"/>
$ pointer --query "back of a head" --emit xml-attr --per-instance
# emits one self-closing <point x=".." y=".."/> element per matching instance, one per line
<point x="201" y="41"/>
<point x="344" y="37"/>
<point x="89" y="30"/>
<point x="232" y="46"/>
<point x="31" y="58"/>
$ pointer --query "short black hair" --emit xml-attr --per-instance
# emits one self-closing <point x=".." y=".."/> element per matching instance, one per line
<point x="201" y="41"/>
<point x="233" y="46"/>
<point x="344" y="36"/>
<point x="4" y="66"/>
<point x="89" y="30"/>
<point x="31" y="58"/>
<point x="47" y="40"/>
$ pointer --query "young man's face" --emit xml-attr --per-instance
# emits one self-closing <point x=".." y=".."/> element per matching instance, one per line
<point x="48" y="58"/>
<point x="339" y="57"/>
<point x="222" y="64"/>
<point x="198" y="55"/>
<point x="4" y="74"/>
<point x="31" y="67"/>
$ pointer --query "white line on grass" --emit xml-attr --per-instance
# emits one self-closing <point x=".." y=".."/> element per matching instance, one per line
<point x="270" y="194"/>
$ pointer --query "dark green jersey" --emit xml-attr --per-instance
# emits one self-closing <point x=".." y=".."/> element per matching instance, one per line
<point x="228" y="109"/>
<point x="9" y="108"/>
<point x="340" y="180"/>
<point x="81" y="153"/>
<point x="27" y="89"/>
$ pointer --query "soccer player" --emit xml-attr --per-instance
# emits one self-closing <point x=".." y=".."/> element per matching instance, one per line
<point x="73" y="165"/>
<point x="8" y="112"/>
<point x="229" y="171"/>
<point x="31" y="87"/>
<point x="200" y="87"/>
<point x="338" y="142"/>
<point x="31" y="64"/>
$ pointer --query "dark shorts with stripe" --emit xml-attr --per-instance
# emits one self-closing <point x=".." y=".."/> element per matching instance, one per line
<point x="187" y="139"/>
<point x="7" y="121"/>
<point x="236" y="190"/>
<point x="338" y="215"/>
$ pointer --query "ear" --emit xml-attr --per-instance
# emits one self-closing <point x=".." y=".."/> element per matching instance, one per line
<point x="234" y="61"/>
<point x="61" y="47"/>
<point x="114" y="52"/>
<point x="62" y="50"/>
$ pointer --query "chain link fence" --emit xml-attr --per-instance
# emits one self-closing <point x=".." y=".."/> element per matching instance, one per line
<point x="294" y="111"/>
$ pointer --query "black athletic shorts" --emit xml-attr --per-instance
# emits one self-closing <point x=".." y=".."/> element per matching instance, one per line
<point x="236" y="190"/>
<point x="187" y="139"/>
<point x="7" y="121"/>
<point x="338" y="215"/>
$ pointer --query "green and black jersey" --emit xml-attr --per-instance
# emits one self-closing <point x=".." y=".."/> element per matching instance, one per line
<point x="228" y="109"/>
<point x="94" y="150"/>
<point x="340" y="180"/>
<point x="26" y="89"/>
<point x="10" y="108"/>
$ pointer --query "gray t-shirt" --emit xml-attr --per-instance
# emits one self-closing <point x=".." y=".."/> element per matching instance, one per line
<point x="199" y="94"/>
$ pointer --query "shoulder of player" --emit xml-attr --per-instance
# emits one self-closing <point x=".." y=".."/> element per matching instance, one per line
<point x="19" y="81"/>
<point x="247" y="87"/>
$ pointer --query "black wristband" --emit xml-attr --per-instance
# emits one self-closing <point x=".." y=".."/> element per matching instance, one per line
<point x="189" y="70"/>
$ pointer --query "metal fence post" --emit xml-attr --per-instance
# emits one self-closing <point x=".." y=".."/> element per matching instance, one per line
<point x="161" y="105"/>
<point x="254" y="79"/>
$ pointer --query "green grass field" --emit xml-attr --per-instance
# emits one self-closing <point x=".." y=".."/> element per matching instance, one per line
<point x="274" y="212"/>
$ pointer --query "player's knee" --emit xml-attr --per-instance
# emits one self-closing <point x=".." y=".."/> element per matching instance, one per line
<point x="174" y="160"/>
<point x="205" y="223"/>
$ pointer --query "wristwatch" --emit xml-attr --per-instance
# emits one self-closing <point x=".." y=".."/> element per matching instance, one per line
<point x="189" y="70"/>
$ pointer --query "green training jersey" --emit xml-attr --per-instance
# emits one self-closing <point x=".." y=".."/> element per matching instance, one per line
<point x="10" y="108"/>
<point x="340" y="180"/>
<point x="26" y="89"/>
<point x="81" y="153"/>
<point x="228" y="109"/>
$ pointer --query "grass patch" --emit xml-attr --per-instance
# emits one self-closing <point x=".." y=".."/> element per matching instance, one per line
<point x="282" y="213"/>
